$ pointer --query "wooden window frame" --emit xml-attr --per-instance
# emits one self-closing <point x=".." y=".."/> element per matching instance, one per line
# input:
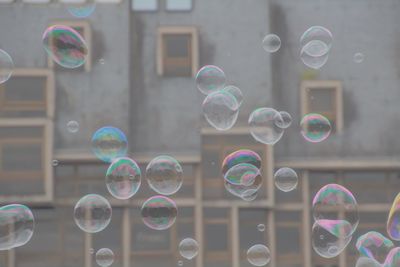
<point x="87" y="36"/>
<point x="165" y="30"/>
<point x="324" y="85"/>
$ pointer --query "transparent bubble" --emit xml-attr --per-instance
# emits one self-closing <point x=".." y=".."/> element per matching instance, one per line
<point x="241" y="156"/>
<point x="82" y="10"/>
<point x="65" y="46"/>
<point x="286" y="179"/>
<point x="73" y="126"/>
<point x="263" y="127"/>
<point x="374" y="246"/>
<point x="261" y="227"/>
<point x="318" y="33"/>
<point x="188" y="248"/>
<point x="210" y="79"/>
<point x="259" y="255"/>
<point x="16" y="226"/>
<point x="325" y="241"/>
<point x="54" y="163"/>
<point x="367" y="262"/>
<point x="286" y="120"/>
<point x="358" y="57"/>
<point x="242" y="174"/>
<point x="316" y="48"/>
<point x="245" y="192"/>
<point x="92" y="213"/>
<point x="315" y="128"/>
<point x="91" y="250"/>
<point x="109" y="143"/>
<point x="271" y="43"/>
<point x="6" y="66"/>
<point x="221" y="110"/>
<point x="102" y="61"/>
<point x="249" y="195"/>
<point x="159" y="212"/>
<point x="180" y="263"/>
<point x="104" y="257"/>
<point x="312" y="61"/>
<point x="331" y="200"/>
<point x="236" y="92"/>
<point x="123" y="178"/>
<point x="393" y="221"/>
<point x="393" y="258"/>
<point x="164" y="175"/>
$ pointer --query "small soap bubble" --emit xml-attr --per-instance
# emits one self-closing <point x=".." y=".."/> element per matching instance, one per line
<point x="236" y="92"/>
<point x="286" y="120"/>
<point x="286" y="179"/>
<point x="358" y="57"/>
<point x="188" y="248"/>
<point x="91" y="250"/>
<point x="109" y="143"/>
<point x="271" y="43"/>
<point x="6" y="66"/>
<point x="73" y="126"/>
<point x="259" y="255"/>
<point x="104" y="257"/>
<point x="54" y="163"/>
<point x="261" y="227"/>
<point x="241" y="156"/>
<point x="159" y="212"/>
<point x="180" y="263"/>
<point x="315" y="128"/>
<point x="210" y="79"/>
<point x="263" y="127"/>
<point x="102" y="61"/>
<point x="82" y="10"/>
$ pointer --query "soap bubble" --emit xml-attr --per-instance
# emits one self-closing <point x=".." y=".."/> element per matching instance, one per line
<point x="261" y="227"/>
<point x="104" y="257"/>
<point x="188" y="248"/>
<point x="109" y="143"/>
<point x="374" y="246"/>
<point x="315" y="48"/>
<point x="286" y="179"/>
<point x="65" y="46"/>
<point x="221" y="110"/>
<point x="367" y="262"/>
<point x="210" y="79"/>
<point x="393" y="258"/>
<point x="73" y="126"/>
<point x="159" y="212"/>
<point x="329" y="201"/>
<point x="326" y="241"/>
<point x="91" y="250"/>
<point x="318" y="33"/>
<point x="358" y="57"/>
<point x="82" y="10"/>
<point x="271" y="43"/>
<point x="259" y="255"/>
<point x="241" y="156"/>
<point x="249" y="195"/>
<point x="263" y="127"/>
<point x="245" y="192"/>
<point x="123" y="178"/>
<point x="164" y="175"/>
<point x="102" y="61"/>
<point x="242" y="174"/>
<point x="236" y="92"/>
<point x="180" y="263"/>
<point x="54" y="163"/>
<point x="314" y="62"/>
<point x="92" y="213"/>
<point x="315" y="128"/>
<point x="393" y="221"/>
<point x="6" y="66"/>
<point x="16" y="226"/>
<point x="286" y="120"/>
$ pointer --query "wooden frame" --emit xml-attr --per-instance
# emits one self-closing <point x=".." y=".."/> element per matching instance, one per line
<point x="337" y="114"/>
<point x="87" y="36"/>
<point x="49" y="93"/>
<point x="193" y="48"/>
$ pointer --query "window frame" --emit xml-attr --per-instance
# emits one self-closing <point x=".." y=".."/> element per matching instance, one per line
<point x="179" y="10"/>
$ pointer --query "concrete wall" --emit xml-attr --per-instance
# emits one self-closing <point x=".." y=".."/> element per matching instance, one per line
<point x="94" y="99"/>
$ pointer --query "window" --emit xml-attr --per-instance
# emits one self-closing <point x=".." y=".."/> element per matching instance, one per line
<point x="83" y="28"/>
<point x="177" y="51"/>
<point x="179" y="5"/>
<point x="144" y="5"/>
<point x="325" y="98"/>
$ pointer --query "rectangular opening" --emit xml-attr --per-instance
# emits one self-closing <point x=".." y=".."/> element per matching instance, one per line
<point x="179" y="5"/>
<point x="144" y="5"/>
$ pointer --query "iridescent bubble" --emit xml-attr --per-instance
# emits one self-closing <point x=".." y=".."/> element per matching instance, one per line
<point x="83" y="10"/>
<point x="210" y="79"/>
<point x="317" y="33"/>
<point x="123" y="178"/>
<point x="358" y="57"/>
<point x="188" y="248"/>
<point x="261" y="227"/>
<point x="104" y="257"/>
<point x="73" y="126"/>
<point x="236" y="92"/>
<point x="16" y="226"/>
<point x="6" y="66"/>
<point x="241" y="156"/>
<point x="393" y="258"/>
<point x="367" y="262"/>
<point x="242" y="174"/>
<point x="259" y="255"/>
<point x="374" y="246"/>
<point x="65" y="46"/>
<point x="286" y="120"/>
<point x="263" y="127"/>
<point x="325" y="240"/>
<point x="164" y="175"/>
<point x="92" y="213"/>
<point x="315" y="128"/>
<point x="159" y="212"/>
<point x="221" y="110"/>
<point x="393" y="221"/>
<point x="271" y="43"/>
<point x="331" y="200"/>
<point x="286" y="179"/>
<point x="109" y="143"/>
<point x="312" y="61"/>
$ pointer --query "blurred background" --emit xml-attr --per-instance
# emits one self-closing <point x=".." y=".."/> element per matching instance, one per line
<point x="139" y="77"/>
